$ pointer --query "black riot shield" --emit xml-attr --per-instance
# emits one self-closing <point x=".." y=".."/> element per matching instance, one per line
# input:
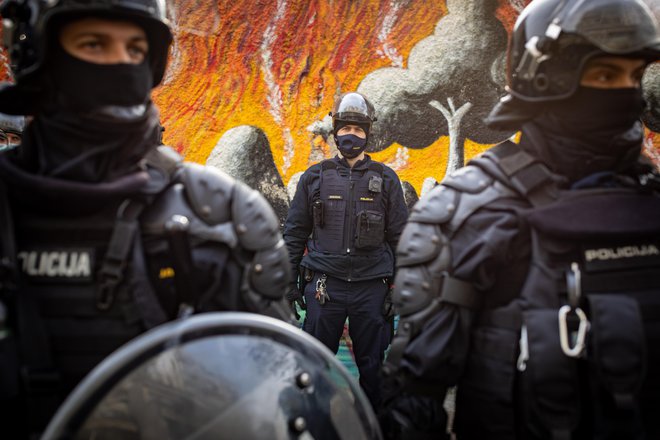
<point x="218" y="376"/>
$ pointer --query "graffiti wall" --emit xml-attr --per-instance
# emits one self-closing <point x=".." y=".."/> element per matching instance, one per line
<point x="250" y="83"/>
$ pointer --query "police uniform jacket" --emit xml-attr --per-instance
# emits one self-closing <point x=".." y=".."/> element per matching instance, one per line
<point x="350" y="205"/>
<point x="463" y="261"/>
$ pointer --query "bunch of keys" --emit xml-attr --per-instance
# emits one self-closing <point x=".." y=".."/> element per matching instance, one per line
<point x="321" y="291"/>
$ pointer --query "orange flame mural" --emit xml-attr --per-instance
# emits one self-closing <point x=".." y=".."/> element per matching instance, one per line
<point x="277" y="65"/>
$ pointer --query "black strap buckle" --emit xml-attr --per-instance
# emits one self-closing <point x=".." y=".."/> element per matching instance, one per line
<point x="106" y="294"/>
<point x="41" y="381"/>
<point x="110" y="275"/>
<point x="119" y="248"/>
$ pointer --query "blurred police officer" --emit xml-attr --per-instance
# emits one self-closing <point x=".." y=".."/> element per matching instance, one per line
<point x="531" y="277"/>
<point x="349" y="212"/>
<point x="11" y="130"/>
<point x="104" y="233"/>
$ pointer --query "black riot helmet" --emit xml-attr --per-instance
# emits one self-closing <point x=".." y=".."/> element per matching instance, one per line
<point x="218" y="375"/>
<point x="353" y="108"/>
<point x="552" y="41"/>
<point x="11" y="130"/>
<point x="28" y="26"/>
<point x="12" y="124"/>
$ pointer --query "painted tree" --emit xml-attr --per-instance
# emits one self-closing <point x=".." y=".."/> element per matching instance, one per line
<point x="461" y="64"/>
<point x="454" y="117"/>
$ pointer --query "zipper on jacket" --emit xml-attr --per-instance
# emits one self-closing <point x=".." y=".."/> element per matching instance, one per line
<point x="349" y="218"/>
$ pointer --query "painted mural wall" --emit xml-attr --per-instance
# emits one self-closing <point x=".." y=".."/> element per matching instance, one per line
<point x="250" y="83"/>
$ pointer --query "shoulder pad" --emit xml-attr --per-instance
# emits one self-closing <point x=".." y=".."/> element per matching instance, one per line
<point x="162" y="164"/>
<point x="458" y="197"/>
<point x="437" y="207"/>
<point x="469" y="179"/>
<point x="172" y="201"/>
<point x="419" y="243"/>
<point x="209" y="191"/>
<point x="256" y="223"/>
<point x="164" y="158"/>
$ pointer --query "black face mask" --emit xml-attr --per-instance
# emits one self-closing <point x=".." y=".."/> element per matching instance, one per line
<point x="82" y="86"/>
<point x="594" y="130"/>
<point x="350" y="146"/>
<point x="95" y="126"/>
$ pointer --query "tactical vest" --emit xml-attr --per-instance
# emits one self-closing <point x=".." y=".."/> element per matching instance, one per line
<point x="71" y="296"/>
<point x="349" y="220"/>
<point x="59" y="263"/>
<point x="576" y="355"/>
<point x="76" y="289"/>
<point x="349" y="216"/>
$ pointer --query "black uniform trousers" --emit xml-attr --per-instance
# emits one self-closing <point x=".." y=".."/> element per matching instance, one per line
<point x="361" y="302"/>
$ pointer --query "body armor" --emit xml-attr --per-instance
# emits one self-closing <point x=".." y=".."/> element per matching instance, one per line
<point x="349" y="223"/>
<point x="87" y="285"/>
<point x="546" y="362"/>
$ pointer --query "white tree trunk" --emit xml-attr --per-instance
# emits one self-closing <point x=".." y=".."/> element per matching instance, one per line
<point x="454" y="117"/>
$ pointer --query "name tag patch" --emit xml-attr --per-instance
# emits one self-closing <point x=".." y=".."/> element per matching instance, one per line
<point x="335" y="197"/>
<point x="621" y="257"/>
<point x="72" y="265"/>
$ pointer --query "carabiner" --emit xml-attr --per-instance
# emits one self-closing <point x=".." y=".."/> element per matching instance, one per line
<point x="524" y="349"/>
<point x="577" y="350"/>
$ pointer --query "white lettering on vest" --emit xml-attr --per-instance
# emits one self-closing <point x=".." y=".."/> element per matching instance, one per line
<point x="51" y="264"/>
<point x="621" y="252"/>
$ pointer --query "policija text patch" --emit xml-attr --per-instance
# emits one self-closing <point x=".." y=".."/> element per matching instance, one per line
<point x="68" y="265"/>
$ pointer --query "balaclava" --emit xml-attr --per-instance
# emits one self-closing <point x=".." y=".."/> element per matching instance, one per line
<point x="95" y="124"/>
<point x="592" y="131"/>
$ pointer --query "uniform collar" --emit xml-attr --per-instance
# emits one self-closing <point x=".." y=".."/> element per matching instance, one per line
<point x="359" y="165"/>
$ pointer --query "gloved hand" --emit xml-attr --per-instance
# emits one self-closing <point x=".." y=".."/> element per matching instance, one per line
<point x="293" y="294"/>
<point x="416" y="417"/>
<point x="402" y="415"/>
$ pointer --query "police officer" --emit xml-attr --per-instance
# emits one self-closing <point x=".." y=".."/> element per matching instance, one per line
<point x="104" y="232"/>
<point x="349" y="212"/>
<point x="11" y="130"/>
<point x="530" y="278"/>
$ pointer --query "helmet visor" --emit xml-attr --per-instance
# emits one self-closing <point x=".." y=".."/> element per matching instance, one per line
<point x="613" y="26"/>
<point x="353" y="107"/>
